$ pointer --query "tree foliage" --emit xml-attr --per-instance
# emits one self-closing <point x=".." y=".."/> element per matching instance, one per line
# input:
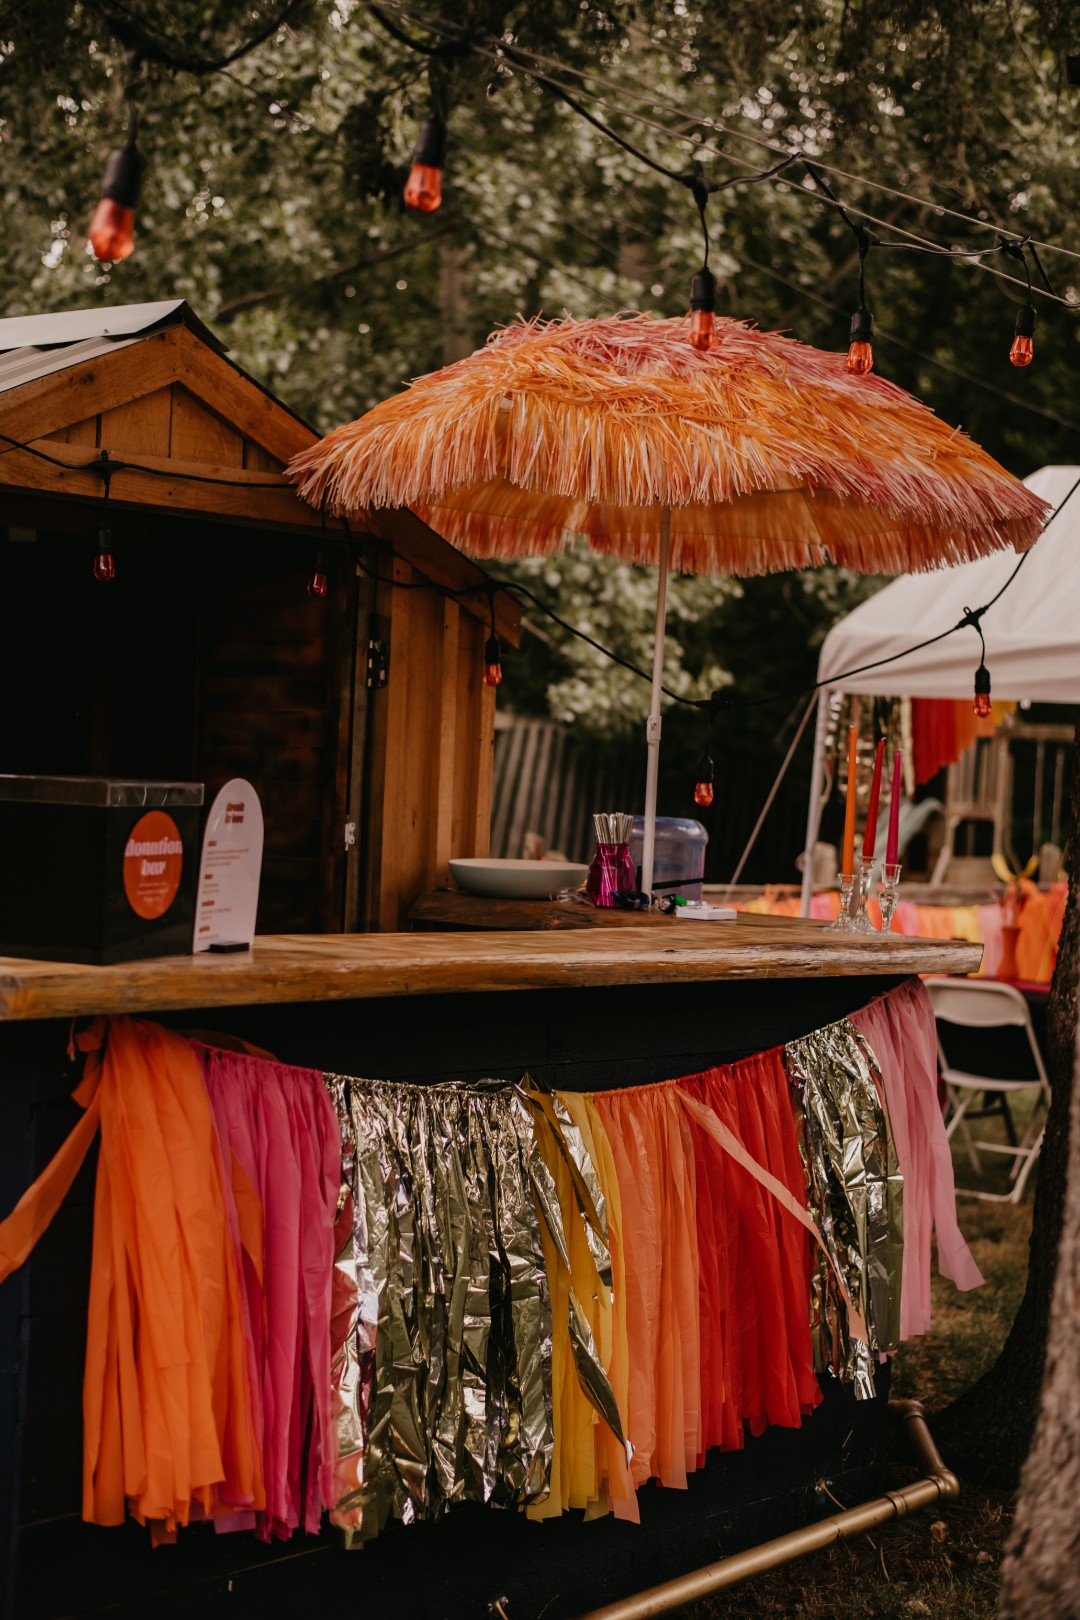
<point x="272" y="202"/>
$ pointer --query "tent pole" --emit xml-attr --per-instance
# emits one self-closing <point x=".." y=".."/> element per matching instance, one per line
<point x="813" y="809"/>
<point x="652" y="728"/>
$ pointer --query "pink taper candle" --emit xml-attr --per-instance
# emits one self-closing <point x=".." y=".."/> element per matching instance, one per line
<point x="870" y="835"/>
<point x="892" y="848"/>
<point x="847" y="865"/>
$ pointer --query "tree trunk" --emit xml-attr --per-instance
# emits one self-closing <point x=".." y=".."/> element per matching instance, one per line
<point x="986" y="1434"/>
<point x="1041" y="1573"/>
<point x="456" y="315"/>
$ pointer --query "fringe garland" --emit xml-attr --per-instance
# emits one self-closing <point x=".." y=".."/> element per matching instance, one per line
<point x="387" y="1299"/>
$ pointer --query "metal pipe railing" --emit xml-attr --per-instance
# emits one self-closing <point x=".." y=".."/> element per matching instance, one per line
<point x="937" y="1485"/>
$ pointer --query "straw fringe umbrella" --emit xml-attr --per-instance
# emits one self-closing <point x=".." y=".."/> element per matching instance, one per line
<point x="757" y="455"/>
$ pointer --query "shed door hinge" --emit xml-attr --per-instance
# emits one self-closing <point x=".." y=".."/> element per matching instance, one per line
<point x="350" y="834"/>
<point x="378" y="664"/>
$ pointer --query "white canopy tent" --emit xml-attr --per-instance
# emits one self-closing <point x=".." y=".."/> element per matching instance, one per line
<point x="1032" y="633"/>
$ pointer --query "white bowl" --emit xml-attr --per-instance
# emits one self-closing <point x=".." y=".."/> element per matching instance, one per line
<point x="516" y="880"/>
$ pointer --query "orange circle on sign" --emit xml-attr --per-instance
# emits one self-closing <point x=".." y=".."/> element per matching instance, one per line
<point x="153" y="861"/>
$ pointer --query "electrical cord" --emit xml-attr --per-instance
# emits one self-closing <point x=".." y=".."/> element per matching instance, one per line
<point x="712" y="122"/>
<point x="106" y="466"/>
<point x="534" y="64"/>
<point x="137" y="36"/>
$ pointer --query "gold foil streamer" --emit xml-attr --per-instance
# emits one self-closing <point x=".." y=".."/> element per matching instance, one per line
<point x="587" y="1188"/>
<point x="855" y="1193"/>
<point x="567" y="1140"/>
<point x="444" y="1394"/>
<point x="354" y="1315"/>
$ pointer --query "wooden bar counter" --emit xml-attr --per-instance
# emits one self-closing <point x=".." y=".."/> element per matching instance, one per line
<point x="347" y="967"/>
<point x="612" y="1003"/>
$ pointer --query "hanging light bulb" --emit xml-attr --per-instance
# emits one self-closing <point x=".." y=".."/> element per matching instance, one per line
<point x="112" y="229"/>
<point x="1023" y="344"/>
<point x="703" y="782"/>
<point x="423" y="189"/>
<point x="318" y="583"/>
<point x="860" y="355"/>
<point x="492" y="661"/>
<point x="983" y="706"/>
<point x="703" y="305"/>
<point x="104" y="561"/>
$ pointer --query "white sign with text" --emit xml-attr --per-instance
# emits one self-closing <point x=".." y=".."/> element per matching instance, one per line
<point x="229" y="872"/>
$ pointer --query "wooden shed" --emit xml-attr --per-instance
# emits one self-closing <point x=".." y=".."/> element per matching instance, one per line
<point x="360" y="717"/>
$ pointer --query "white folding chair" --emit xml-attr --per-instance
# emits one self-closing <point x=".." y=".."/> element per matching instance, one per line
<point x="976" y="1004"/>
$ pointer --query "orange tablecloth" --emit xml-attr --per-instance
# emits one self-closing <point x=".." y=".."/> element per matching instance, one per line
<point x="1040" y="924"/>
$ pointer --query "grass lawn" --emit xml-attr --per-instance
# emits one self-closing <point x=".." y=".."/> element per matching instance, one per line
<point x="940" y="1563"/>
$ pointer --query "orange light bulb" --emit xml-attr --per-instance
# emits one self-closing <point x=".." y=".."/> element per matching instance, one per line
<point x="983" y="706"/>
<point x="1023" y="344"/>
<point x="1023" y="351"/>
<point x="860" y="355"/>
<point x="702" y="329"/>
<point x="703" y="306"/>
<point x="423" y="189"/>
<point x="860" y="359"/>
<point x="703" y="782"/>
<point x="492" y="662"/>
<point x="317" y="584"/>
<point x="104" y="562"/>
<point x="112" y="231"/>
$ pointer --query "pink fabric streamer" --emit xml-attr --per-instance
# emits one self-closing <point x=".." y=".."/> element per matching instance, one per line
<point x="279" y="1140"/>
<point x="899" y="1028"/>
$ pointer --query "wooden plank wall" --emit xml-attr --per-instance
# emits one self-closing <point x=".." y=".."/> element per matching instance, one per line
<point x="171" y="423"/>
<point x="431" y="736"/>
<point x="277" y="701"/>
<point x="269" y="676"/>
<point x="268" y="710"/>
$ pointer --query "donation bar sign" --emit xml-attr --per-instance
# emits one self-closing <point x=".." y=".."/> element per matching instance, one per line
<point x="228" y="896"/>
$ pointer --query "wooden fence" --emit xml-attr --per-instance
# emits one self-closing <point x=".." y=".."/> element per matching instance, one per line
<point x="548" y="781"/>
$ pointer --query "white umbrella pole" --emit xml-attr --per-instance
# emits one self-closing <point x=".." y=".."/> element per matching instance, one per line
<point x="652" y="729"/>
<point x="813" y="809"/>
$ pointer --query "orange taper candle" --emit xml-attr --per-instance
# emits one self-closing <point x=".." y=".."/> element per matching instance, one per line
<point x="870" y="835"/>
<point x="847" y="865"/>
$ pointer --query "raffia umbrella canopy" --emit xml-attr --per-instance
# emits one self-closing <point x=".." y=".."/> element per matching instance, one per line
<point x="767" y="453"/>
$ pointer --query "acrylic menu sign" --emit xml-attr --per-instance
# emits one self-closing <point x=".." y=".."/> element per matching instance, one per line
<point x="228" y="896"/>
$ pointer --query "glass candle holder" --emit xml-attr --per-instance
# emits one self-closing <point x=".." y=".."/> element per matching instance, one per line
<point x="860" y="921"/>
<point x="612" y="876"/>
<point x="888" y="895"/>
<point x="842" y="923"/>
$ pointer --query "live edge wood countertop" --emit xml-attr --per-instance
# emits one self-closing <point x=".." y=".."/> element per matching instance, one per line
<point x="343" y="967"/>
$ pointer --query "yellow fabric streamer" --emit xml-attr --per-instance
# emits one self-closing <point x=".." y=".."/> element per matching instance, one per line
<point x="589" y="1466"/>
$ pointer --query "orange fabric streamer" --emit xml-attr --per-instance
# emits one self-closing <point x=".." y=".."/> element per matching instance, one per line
<point x="652" y="1153"/>
<point x="167" y="1416"/>
<point x="755" y="1217"/>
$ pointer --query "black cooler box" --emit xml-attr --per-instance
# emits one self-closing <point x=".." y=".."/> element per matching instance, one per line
<point x="95" y="870"/>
